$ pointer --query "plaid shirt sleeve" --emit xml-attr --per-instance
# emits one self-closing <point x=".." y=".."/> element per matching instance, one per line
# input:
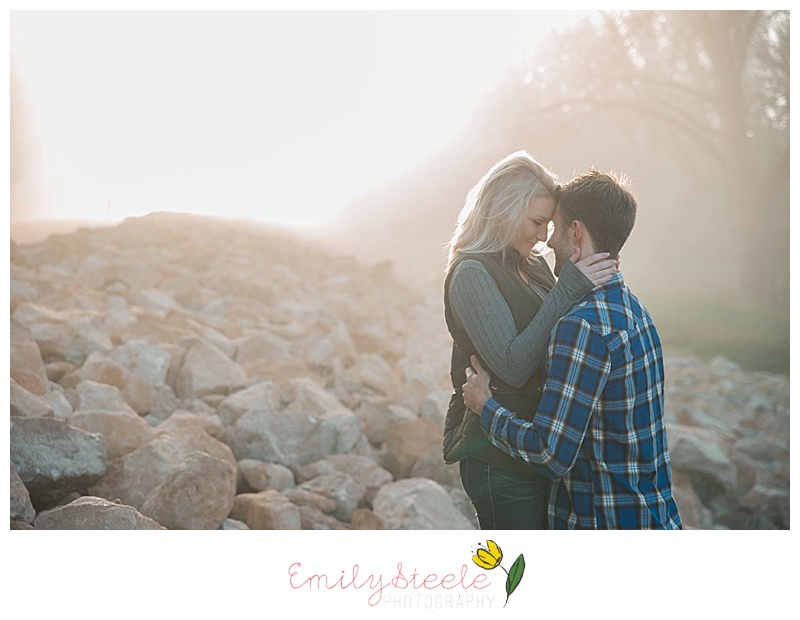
<point x="578" y="365"/>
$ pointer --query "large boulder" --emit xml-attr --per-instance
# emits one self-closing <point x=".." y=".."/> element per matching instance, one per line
<point x="314" y="519"/>
<point x="418" y="504"/>
<point x="124" y="430"/>
<point x="54" y="459"/>
<point x="434" y="407"/>
<point x="363" y="469"/>
<point x="340" y="487"/>
<point x="233" y="524"/>
<point x="26" y="404"/>
<point x="703" y="457"/>
<point x="197" y="495"/>
<point x="262" y="345"/>
<point x="263" y="396"/>
<point x="372" y="373"/>
<point x="27" y="365"/>
<point x="295" y="439"/>
<point x="69" y="335"/>
<point x="133" y="477"/>
<point x="308" y="396"/>
<point x="406" y="442"/>
<point x="374" y="339"/>
<point x="94" y="513"/>
<point x="20" y="506"/>
<point x="149" y="361"/>
<point x="57" y="399"/>
<point x="267" y="510"/>
<point x="207" y="370"/>
<point x="255" y="476"/>
<point x="91" y="396"/>
<point x="431" y="465"/>
<point x="305" y="498"/>
<point x="365" y="519"/>
<point x="136" y="391"/>
<point x="375" y="413"/>
<point x="694" y="514"/>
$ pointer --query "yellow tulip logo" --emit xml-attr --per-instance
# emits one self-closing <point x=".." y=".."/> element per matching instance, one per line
<point x="489" y="557"/>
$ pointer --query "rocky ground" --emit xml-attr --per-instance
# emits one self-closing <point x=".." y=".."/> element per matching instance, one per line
<point x="180" y="372"/>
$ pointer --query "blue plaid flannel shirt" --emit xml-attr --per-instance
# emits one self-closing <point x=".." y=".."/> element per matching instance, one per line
<point x="599" y="429"/>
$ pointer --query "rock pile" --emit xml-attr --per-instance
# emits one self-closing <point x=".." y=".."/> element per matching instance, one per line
<point x="729" y="444"/>
<point x="187" y="373"/>
<point x="184" y="373"/>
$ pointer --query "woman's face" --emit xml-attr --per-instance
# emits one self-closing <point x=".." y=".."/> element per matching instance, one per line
<point x="534" y="225"/>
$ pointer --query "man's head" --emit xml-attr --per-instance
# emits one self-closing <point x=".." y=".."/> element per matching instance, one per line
<point x="596" y="212"/>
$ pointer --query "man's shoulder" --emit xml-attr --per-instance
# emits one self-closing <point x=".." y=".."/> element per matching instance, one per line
<point x="603" y="305"/>
<point x="591" y="305"/>
<point x="609" y="311"/>
<point x="581" y="318"/>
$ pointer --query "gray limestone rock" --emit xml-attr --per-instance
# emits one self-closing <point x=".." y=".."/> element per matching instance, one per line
<point x="54" y="459"/>
<point x="20" y="506"/>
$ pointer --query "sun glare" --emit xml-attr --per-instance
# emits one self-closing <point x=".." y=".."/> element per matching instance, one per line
<point x="282" y="116"/>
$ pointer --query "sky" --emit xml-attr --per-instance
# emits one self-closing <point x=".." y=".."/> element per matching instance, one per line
<point x="274" y="115"/>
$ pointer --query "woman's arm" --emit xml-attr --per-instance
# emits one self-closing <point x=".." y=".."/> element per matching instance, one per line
<point x="485" y="315"/>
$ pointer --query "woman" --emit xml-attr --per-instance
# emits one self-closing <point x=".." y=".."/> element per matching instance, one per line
<point x="501" y="302"/>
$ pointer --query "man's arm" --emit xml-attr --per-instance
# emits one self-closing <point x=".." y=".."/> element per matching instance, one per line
<point x="578" y="363"/>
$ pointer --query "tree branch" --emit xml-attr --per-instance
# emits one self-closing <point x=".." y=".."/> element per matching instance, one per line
<point x="703" y="136"/>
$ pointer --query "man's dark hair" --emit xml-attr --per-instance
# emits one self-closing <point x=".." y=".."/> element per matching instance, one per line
<point x="605" y="205"/>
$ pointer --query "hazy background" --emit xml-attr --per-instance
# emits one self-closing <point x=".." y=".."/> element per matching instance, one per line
<point x="284" y="116"/>
<point x="365" y="130"/>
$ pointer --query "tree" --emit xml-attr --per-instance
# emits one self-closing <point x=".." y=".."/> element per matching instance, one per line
<point x="718" y="80"/>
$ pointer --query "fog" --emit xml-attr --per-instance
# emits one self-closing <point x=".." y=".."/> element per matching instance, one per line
<point x="364" y="131"/>
<point x="275" y="115"/>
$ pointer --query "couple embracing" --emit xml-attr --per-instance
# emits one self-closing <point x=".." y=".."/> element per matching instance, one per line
<point x="556" y="417"/>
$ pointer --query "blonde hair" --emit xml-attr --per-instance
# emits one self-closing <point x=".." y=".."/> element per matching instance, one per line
<point x="496" y="206"/>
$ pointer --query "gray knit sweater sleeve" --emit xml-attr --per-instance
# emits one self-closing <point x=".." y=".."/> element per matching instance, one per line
<point x="480" y="307"/>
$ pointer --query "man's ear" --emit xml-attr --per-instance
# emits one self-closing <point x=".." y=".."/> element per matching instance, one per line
<point x="578" y="231"/>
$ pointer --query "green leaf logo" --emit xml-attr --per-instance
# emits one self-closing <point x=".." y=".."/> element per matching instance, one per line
<point x="514" y="576"/>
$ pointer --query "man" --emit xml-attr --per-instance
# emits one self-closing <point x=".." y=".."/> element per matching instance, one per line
<point x="598" y="431"/>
